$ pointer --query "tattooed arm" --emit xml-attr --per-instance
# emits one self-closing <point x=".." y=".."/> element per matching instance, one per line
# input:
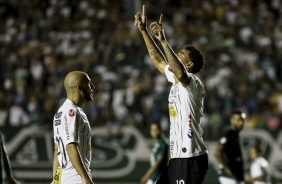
<point x="175" y="65"/>
<point x="153" y="50"/>
<point x="155" y="53"/>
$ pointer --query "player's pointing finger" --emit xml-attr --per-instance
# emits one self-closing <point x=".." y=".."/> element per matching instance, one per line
<point x="143" y="10"/>
<point x="161" y="19"/>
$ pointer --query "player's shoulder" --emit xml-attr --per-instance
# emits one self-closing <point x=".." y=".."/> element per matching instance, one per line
<point x="195" y="80"/>
<point x="229" y="131"/>
<point x="262" y="160"/>
<point x="227" y="134"/>
<point x="69" y="103"/>
<point x="68" y="107"/>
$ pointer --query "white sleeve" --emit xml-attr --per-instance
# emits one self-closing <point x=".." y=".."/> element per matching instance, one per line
<point x="70" y="126"/>
<point x="169" y="75"/>
<point x="256" y="170"/>
<point x="56" y="125"/>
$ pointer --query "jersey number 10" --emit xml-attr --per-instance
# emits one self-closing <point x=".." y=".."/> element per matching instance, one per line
<point x="180" y="182"/>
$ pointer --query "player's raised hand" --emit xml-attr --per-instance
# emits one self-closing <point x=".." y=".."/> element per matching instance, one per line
<point x="157" y="29"/>
<point x="141" y="19"/>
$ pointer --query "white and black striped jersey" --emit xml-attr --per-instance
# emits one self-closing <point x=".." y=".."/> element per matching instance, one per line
<point x="185" y="111"/>
<point x="70" y="125"/>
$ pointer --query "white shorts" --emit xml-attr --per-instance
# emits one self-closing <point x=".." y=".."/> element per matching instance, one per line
<point x="71" y="178"/>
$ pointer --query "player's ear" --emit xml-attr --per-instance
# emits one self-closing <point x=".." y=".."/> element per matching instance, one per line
<point x="79" y="87"/>
<point x="189" y="64"/>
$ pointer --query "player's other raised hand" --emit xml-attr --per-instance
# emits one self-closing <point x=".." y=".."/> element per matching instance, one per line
<point x="157" y="29"/>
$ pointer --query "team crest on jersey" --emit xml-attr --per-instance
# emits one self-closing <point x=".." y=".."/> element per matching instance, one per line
<point x="71" y="113"/>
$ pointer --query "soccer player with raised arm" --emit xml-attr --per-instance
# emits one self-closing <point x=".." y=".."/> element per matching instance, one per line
<point x="189" y="160"/>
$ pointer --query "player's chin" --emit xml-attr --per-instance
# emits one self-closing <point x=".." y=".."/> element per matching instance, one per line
<point x="89" y="98"/>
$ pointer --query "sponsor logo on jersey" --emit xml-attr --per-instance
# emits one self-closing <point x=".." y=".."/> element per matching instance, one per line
<point x="171" y="145"/>
<point x="58" y="115"/>
<point x="71" y="113"/>
<point x="172" y="112"/>
<point x="190" y="132"/>
<point x="89" y="144"/>
<point x="67" y="128"/>
<point x="57" y="122"/>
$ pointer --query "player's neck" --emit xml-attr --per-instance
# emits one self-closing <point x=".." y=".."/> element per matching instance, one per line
<point x="235" y="129"/>
<point x="77" y="101"/>
<point x="176" y="80"/>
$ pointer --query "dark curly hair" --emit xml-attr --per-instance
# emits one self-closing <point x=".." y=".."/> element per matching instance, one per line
<point x="197" y="57"/>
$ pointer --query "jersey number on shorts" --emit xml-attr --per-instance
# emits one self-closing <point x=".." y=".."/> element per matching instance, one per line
<point x="180" y="182"/>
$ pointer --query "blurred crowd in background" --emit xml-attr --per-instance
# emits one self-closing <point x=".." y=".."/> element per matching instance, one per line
<point x="41" y="41"/>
